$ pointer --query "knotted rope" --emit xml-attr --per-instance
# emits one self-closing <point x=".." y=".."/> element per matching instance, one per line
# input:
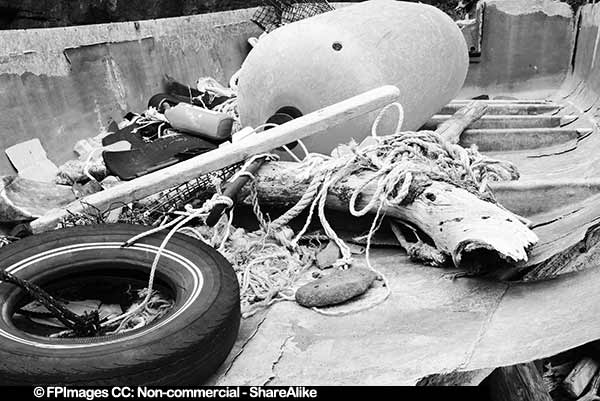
<point x="266" y="288"/>
<point x="401" y="165"/>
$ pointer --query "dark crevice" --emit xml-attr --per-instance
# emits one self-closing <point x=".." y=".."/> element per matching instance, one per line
<point x="576" y="41"/>
<point x="7" y="15"/>
<point x="545" y="223"/>
<point x="575" y="146"/>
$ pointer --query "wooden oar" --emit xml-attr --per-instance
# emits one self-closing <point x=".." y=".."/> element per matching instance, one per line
<point x="310" y="124"/>
<point x="231" y="190"/>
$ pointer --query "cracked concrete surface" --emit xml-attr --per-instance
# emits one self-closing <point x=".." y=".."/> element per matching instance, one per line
<point x="429" y="325"/>
<point x="483" y="331"/>
<point x="242" y="341"/>
<point x="276" y="362"/>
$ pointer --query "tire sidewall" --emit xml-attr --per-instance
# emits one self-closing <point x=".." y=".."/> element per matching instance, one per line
<point x="188" y="263"/>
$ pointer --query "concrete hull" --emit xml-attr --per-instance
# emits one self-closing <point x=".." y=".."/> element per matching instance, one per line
<point x="65" y="84"/>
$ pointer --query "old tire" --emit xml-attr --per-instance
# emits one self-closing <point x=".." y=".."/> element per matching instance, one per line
<point x="183" y="348"/>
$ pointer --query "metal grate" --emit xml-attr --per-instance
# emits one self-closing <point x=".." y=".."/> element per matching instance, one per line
<point x="276" y="13"/>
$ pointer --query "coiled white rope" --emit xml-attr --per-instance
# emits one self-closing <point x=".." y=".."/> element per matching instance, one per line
<point x="176" y="225"/>
<point x="399" y="121"/>
<point x="328" y="174"/>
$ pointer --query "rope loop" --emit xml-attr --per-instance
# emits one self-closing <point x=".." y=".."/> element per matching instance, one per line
<point x="394" y="164"/>
<point x="381" y="114"/>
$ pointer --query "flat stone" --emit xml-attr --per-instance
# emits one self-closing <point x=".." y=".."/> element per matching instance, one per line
<point x="335" y="288"/>
<point x="30" y="160"/>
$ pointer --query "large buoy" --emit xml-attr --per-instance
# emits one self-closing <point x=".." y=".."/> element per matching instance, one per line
<point x="310" y="64"/>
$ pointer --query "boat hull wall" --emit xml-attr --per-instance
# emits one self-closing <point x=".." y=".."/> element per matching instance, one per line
<point x="65" y="84"/>
<point x="526" y="49"/>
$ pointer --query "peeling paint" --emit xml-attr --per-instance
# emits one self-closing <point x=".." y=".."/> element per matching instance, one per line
<point x="520" y="7"/>
<point x="115" y="82"/>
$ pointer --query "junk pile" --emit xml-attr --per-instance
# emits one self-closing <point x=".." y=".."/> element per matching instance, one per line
<point x="402" y="176"/>
<point x="184" y="162"/>
<point x="168" y="132"/>
<point x="254" y="171"/>
<point x="172" y="129"/>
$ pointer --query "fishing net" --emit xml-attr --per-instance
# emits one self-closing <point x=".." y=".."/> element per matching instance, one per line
<point x="276" y="13"/>
<point x="198" y="190"/>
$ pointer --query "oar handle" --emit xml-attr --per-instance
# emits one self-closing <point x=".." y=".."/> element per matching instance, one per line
<point x="310" y="124"/>
<point x="232" y="189"/>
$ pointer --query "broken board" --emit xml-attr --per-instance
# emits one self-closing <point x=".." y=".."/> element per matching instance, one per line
<point x="30" y="160"/>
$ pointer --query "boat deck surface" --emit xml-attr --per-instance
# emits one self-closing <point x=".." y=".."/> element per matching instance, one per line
<point x="433" y="323"/>
<point x="430" y="324"/>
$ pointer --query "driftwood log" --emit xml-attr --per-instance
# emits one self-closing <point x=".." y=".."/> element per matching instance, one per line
<point x="458" y="222"/>
<point x="452" y="128"/>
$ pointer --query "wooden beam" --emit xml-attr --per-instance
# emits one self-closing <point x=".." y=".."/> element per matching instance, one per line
<point x="310" y="124"/>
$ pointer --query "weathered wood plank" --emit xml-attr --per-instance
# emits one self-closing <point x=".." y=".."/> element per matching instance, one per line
<point x="452" y="128"/>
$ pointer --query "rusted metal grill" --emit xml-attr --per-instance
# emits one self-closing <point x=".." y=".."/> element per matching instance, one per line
<point x="275" y="13"/>
<point x="194" y="192"/>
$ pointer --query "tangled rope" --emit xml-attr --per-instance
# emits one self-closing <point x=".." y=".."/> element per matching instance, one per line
<point x="154" y="307"/>
<point x="401" y="165"/>
<point x="230" y="107"/>
<point x="266" y="269"/>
